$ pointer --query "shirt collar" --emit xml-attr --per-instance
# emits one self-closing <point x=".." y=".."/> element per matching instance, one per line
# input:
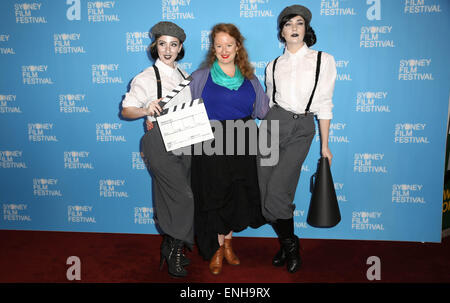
<point x="299" y="54"/>
<point x="164" y="68"/>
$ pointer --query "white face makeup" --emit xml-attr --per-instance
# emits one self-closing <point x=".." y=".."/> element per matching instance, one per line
<point x="294" y="31"/>
<point x="225" y="47"/>
<point x="168" y="48"/>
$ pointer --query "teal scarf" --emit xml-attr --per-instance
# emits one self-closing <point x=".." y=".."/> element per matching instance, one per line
<point x="222" y="79"/>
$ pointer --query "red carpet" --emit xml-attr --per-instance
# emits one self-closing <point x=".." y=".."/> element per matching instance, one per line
<point x="40" y="257"/>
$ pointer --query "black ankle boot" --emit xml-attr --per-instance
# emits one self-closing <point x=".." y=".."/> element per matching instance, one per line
<point x="165" y="247"/>
<point x="284" y="228"/>
<point x="172" y="252"/>
<point x="280" y="258"/>
<point x="291" y="249"/>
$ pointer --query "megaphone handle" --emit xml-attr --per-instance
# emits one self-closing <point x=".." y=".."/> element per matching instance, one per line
<point x="311" y="182"/>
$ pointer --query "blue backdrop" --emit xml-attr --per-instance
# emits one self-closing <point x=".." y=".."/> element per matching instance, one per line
<point x="69" y="163"/>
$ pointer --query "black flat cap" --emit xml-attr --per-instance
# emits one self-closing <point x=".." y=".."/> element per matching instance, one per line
<point x="165" y="28"/>
<point x="296" y="10"/>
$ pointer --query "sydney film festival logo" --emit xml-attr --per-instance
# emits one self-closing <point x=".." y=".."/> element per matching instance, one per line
<point x="46" y="187"/>
<point x="376" y="36"/>
<point x="137" y="41"/>
<point x="408" y="193"/>
<point x="107" y="132"/>
<point x="8" y="104"/>
<point x="415" y="69"/>
<point x="73" y="103"/>
<point x="421" y="7"/>
<point x="68" y="43"/>
<point x="35" y="75"/>
<point x="102" y="11"/>
<point x="365" y="220"/>
<point x="11" y="159"/>
<point x="143" y="215"/>
<point x="255" y="9"/>
<point x="16" y="212"/>
<point x="80" y="214"/>
<point x="176" y="10"/>
<point x="369" y="163"/>
<point x="41" y="132"/>
<point x="405" y="133"/>
<point x="106" y="74"/>
<point x="77" y="160"/>
<point x="372" y="102"/>
<point x="28" y="13"/>
<point x="334" y="8"/>
<point x="111" y="188"/>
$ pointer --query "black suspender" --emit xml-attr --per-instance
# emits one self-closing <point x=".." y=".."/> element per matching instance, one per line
<point x="319" y="56"/>
<point x="273" y="76"/>
<point x="158" y="82"/>
<point x="184" y="78"/>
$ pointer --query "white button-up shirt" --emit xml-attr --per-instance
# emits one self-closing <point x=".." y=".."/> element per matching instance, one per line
<point x="294" y="80"/>
<point x="143" y="88"/>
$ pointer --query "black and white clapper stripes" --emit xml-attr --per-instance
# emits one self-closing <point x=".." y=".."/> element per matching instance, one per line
<point x="181" y="106"/>
<point x="165" y="102"/>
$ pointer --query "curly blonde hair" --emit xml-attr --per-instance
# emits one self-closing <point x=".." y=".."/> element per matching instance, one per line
<point x="241" y="58"/>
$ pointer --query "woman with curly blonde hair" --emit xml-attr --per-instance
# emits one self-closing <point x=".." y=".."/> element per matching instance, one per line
<point x="225" y="186"/>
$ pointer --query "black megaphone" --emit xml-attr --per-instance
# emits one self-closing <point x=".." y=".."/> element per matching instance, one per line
<point x="323" y="209"/>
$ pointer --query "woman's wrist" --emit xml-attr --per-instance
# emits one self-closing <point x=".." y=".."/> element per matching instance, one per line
<point x="145" y="111"/>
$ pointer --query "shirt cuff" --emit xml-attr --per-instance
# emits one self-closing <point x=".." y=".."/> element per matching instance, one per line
<point x="131" y="101"/>
<point x="325" y="116"/>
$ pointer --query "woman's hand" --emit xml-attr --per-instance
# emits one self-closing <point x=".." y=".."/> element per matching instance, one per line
<point x="327" y="154"/>
<point x="149" y="124"/>
<point x="153" y="108"/>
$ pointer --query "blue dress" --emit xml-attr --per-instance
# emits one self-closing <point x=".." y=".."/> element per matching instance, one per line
<point x="225" y="187"/>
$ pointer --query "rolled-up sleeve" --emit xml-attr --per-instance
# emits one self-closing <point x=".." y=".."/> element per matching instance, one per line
<point x="140" y="92"/>
<point x="325" y="87"/>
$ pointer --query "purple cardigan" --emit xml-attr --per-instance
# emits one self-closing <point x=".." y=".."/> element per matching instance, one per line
<point x="260" y="107"/>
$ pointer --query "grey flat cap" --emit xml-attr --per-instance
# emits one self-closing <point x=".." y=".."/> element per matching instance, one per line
<point x="296" y="10"/>
<point x="165" y="28"/>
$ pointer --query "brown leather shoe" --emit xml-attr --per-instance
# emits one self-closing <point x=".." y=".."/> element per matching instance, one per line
<point x="231" y="258"/>
<point x="215" y="266"/>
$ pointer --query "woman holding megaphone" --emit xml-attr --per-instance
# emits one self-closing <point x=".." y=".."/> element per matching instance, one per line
<point x="300" y="84"/>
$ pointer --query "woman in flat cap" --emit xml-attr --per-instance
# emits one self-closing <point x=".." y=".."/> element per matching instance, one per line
<point x="170" y="172"/>
<point x="300" y="84"/>
<point x="225" y="186"/>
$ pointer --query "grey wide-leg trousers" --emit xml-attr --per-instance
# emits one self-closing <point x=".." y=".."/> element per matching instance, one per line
<point x="171" y="179"/>
<point x="278" y="182"/>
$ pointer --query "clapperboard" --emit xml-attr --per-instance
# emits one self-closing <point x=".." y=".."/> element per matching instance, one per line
<point x="185" y="123"/>
<point x="171" y="96"/>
